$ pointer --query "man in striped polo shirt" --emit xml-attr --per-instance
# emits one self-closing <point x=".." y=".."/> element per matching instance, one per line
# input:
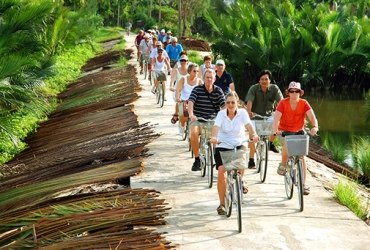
<point x="204" y="103"/>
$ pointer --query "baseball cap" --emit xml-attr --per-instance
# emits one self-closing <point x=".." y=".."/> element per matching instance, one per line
<point x="220" y="61"/>
<point x="162" y="30"/>
<point x="146" y="36"/>
<point x="158" y="43"/>
<point x="184" y="57"/>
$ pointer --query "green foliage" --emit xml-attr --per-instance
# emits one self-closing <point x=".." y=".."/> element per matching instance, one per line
<point x="67" y="68"/>
<point x="313" y="45"/>
<point x="361" y="155"/>
<point x="347" y="193"/>
<point x="336" y="146"/>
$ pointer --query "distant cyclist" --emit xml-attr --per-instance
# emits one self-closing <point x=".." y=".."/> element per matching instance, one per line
<point x="223" y="79"/>
<point x="206" y="65"/>
<point x="174" y="50"/>
<point x="128" y="27"/>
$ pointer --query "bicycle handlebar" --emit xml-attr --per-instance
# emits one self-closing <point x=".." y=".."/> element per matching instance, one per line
<point x="261" y="116"/>
<point x="235" y="146"/>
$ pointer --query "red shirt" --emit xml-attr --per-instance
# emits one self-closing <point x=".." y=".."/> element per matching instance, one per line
<point x="292" y="120"/>
<point x="138" y="39"/>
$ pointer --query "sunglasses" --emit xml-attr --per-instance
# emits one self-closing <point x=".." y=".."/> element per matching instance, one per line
<point x="160" y="52"/>
<point x="229" y="102"/>
<point x="195" y="71"/>
<point x="183" y="60"/>
<point x="294" y="91"/>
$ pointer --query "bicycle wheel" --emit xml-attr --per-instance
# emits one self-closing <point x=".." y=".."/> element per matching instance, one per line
<point x="145" y="69"/>
<point x="228" y="196"/>
<point x="185" y="134"/>
<point x="258" y="155"/>
<point x="264" y="158"/>
<point x="151" y="78"/>
<point x="161" y="95"/>
<point x="300" y="184"/>
<point x="288" y="181"/>
<point x="210" y="165"/>
<point x="238" y="204"/>
<point x="202" y="158"/>
<point x="157" y="94"/>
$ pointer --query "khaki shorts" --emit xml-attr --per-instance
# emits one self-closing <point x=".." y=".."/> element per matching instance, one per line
<point x="144" y="57"/>
<point x="160" y="76"/>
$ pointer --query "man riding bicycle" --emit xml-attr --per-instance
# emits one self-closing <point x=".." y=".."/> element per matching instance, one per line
<point x="262" y="99"/>
<point x="144" y="51"/>
<point x="204" y="103"/>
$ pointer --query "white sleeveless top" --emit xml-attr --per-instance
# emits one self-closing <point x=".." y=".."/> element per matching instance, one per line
<point x="186" y="90"/>
<point x="159" y="66"/>
<point x="179" y="76"/>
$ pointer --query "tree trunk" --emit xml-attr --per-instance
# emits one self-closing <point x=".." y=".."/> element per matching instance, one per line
<point x="179" y="17"/>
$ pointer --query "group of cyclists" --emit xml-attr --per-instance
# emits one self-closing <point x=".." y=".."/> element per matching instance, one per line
<point x="210" y="93"/>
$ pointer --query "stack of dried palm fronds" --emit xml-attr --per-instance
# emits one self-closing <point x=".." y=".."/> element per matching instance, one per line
<point x="92" y="137"/>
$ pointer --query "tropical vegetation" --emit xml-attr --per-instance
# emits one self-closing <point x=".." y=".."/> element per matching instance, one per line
<point x="43" y="46"/>
<point x="310" y="43"/>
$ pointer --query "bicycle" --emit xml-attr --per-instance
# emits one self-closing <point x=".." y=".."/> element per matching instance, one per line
<point x="263" y="129"/>
<point x="206" y="150"/>
<point x="145" y="67"/>
<point x="184" y="112"/>
<point x="297" y="145"/>
<point x="159" y="93"/>
<point x="234" y="160"/>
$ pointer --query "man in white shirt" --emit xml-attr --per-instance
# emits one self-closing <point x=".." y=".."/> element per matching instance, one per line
<point x="143" y="51"/>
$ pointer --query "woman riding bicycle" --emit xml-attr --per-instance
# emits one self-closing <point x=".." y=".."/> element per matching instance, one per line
<point x="184" y="88"/>
<point x="159" y="70"/>
<point x="290" y="117"/>
<point x="229" y="127"/>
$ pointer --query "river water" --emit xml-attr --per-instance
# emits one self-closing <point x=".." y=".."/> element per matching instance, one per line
<point x="340" y="116"/>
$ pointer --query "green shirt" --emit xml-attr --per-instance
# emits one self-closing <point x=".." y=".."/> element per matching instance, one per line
<point x="264" y="103"/>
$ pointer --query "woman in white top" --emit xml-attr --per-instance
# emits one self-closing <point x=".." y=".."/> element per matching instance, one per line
<point x="154" y="53"/>
<point x="178" y="73"/>
<point x="229" y="127"/>
<point x="207" y="65"/>
<point x="184" y="88"/>
<point x="159" y="66"/>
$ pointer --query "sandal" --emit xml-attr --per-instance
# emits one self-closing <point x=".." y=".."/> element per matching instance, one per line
<point x="174" y="118"/>
<point x="245" y="189"/>
<point x="306" y="190"/>
<point x="221" y="210"/>
<point x="281" y="169"/>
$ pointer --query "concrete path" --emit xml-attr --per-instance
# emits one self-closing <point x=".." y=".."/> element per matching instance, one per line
<point x="270" y="220"/>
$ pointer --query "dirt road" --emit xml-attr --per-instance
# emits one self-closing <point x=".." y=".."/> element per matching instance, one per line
<point x="270" y="220"/>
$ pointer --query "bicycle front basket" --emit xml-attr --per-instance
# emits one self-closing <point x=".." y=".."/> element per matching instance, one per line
<point x="232" y="159"/>
<point x="297" y="144"/>
<point x="263" y="127"/>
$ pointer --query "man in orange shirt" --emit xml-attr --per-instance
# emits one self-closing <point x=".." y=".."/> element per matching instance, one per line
<point x="290" y="117"/>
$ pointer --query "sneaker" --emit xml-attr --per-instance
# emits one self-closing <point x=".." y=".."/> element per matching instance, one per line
<point x="251" y="164"/>
<point x="181" y="130"/>
<point x="196" y="166"/>
<point x="273" y="148"/>
<point x="221" y="210"/>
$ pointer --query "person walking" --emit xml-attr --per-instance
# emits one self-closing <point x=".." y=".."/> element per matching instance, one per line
<point x="223" y="79"/>
<point x="290" y="117"/>
<point x="205" y="102"/>
<point x="262" y="99"/>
